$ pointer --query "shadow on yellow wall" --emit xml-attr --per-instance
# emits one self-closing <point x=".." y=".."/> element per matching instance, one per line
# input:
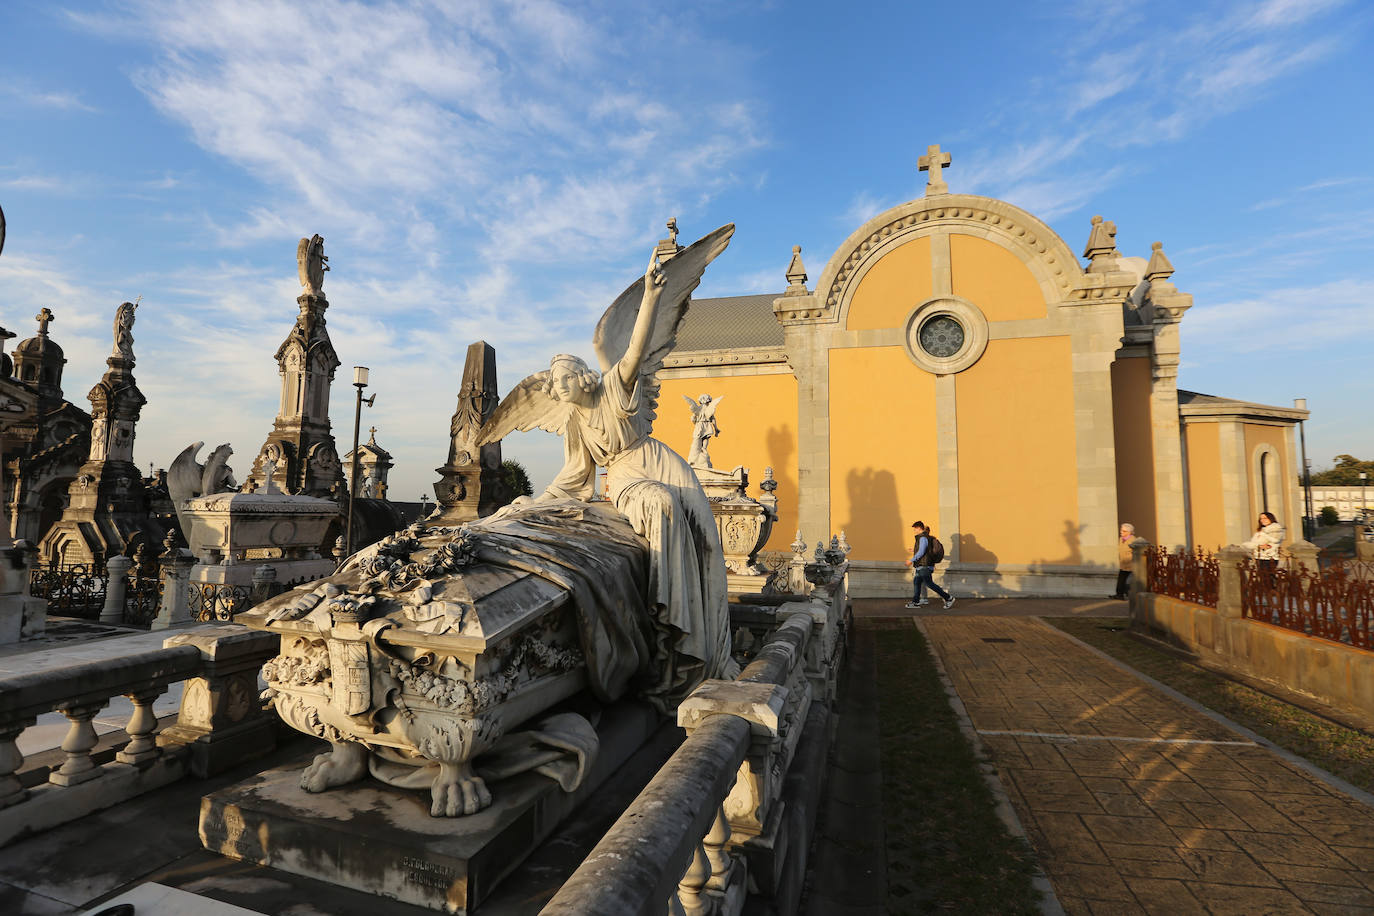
<point x="970" y="551"/>
<point x="882" y="532"/>
<point x="780" y="443"/>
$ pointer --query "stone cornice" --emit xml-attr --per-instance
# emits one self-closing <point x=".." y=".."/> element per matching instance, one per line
<point x="736" y="356"/>
<point x="1241" y="410"/>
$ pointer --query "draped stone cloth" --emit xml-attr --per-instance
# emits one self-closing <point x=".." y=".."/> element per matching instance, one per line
<point x="587" y="549"/>
<point x="658" y="492"/>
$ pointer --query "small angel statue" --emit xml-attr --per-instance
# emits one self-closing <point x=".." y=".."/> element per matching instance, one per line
<point x="606" y="420"/>
<point x="704" y="428"/>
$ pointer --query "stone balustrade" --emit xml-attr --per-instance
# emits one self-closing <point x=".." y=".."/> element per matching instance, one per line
<point x="731" y="813"/>
<point x="220" y="722"/>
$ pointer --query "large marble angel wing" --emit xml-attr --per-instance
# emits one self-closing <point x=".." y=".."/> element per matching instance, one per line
<point x="693" y="406"/>
<point x="528" y="405"/>
<point x="681" y="274"/>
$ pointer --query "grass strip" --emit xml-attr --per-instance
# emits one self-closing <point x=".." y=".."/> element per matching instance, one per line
<point x="946" y="848"/>
<point x="1342" y="751"/>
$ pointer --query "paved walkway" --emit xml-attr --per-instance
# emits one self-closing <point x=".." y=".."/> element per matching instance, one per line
<point x="1135" y="802"/>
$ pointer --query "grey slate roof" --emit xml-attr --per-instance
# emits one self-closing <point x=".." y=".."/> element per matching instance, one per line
<point x="730" y="322"/>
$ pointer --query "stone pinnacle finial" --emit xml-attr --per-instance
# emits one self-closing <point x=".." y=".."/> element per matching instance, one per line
<point x="44" y="316"/>
<point x="796" y="274"/>
<point x="1101" y="247"/>
<point x="1159" y="267"/>
<point x="933" y="162"/>
<point x="372" y="436"/>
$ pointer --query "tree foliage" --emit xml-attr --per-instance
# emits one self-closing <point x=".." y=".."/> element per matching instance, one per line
<point x="1346" y="473"/>
<point x="515" y="481"/>
<point x="1329" y="515"/>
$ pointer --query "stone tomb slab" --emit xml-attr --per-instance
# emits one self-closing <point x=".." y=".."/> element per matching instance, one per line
<point x="382" y="840"/>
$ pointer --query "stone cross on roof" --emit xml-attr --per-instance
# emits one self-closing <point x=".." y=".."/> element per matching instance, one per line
<point x="372" y="437"/>
<point x="933" y="162"/>
<point x="43" y="317"/>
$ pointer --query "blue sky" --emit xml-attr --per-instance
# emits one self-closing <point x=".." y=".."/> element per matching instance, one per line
<point x="499" y="171"/>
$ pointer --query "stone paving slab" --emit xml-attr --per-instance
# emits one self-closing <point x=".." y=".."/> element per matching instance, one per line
<point x="1137" y="803"/>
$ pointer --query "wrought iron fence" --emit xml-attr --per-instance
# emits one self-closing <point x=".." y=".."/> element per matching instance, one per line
<point x="1188" y="576"/>
<point x="142" y="600"/>
<point x="73" y="590"/>
<point x="210" y="602"/>
<point x="1335" y="602"/>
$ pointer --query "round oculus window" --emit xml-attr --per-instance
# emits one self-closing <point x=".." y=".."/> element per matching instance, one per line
<point x="942" y="336"/>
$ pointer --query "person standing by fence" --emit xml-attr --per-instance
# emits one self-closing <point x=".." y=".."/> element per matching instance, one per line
<point x="1123" y="556"/>
<point x="1264" y="546"/>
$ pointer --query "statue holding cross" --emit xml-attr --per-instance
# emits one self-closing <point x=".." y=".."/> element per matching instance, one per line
<point x="933" y="162"/>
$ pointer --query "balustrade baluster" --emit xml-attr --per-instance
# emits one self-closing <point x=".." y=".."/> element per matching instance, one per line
<point x="10" y="760"/>
<point x="81" y="737"/>
<point x="690" y="889"/>
<point x="142" y="727"/>
<point x="716" y="853"/>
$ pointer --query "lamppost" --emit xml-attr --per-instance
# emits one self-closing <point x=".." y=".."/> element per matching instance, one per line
<point x="1309" y="521"/>
<point x="1364" y="507"/>
<point x="359" y="382"/>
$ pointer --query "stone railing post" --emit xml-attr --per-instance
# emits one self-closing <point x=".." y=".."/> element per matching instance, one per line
<point x="1305" y="553"/>
<point x="756" y="787"/>
<point x="264" y="584"/>
<point x="21" y="615"/>
<point x="175" y="609"/>
<point x="1140" y="574"/>
<point x="116" y="588"/>
<point x="1228" y="580"/>
<point x="222" y="720"/>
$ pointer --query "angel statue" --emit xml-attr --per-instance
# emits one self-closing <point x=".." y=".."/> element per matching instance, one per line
<point x="605" y="420"/>
<point x="704" y="428"/>
<point x="124" y="330"/>
<point x="312" y="262"/>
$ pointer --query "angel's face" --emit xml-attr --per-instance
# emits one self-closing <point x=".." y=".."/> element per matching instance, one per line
<point x="567" y="384"/>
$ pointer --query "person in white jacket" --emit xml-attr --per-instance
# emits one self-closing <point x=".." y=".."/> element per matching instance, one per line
<point x="1264" y="547"/>
<point x="1268" y="536"/>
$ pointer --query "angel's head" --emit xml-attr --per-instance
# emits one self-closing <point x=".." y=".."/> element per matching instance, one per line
<point x="704" y="400"/>
<point x="570" y="379"/>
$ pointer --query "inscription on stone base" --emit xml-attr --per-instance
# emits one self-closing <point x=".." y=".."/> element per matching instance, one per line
<point x="382" y="840"/>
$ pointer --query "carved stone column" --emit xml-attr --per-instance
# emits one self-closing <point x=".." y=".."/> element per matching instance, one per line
<point x="469" y="483"/>
<point x="175" y="609"/>
<point x="116" y="588"/>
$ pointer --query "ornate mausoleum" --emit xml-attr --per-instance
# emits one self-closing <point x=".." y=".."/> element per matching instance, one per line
<point x="955" y="362"/>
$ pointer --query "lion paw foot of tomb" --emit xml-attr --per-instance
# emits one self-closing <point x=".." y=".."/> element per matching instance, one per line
<point x="457" y="791"/>
<point x="344" y="764"/>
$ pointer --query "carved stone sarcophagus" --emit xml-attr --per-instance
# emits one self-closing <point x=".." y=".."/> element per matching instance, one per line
<point x="429" y="648"/>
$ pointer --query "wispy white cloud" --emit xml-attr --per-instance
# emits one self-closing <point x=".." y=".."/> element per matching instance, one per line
<point x="1162" y="78"/>
<point x="862" y="208"/>
<point x="1332" y="313"/>
<point x="24" y="92"/>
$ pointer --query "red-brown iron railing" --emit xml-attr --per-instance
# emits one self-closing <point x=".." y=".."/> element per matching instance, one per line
<point x="1188" y="576"/>
<point x="1335" y="602"/>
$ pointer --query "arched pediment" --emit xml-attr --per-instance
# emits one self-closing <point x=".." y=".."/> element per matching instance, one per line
<point x="1051" y="262"/>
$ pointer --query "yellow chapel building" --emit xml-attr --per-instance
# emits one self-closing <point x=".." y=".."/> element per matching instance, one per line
<point x="956" y="363"/>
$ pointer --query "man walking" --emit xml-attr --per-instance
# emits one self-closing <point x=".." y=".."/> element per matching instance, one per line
<point x="925" y="554"/>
